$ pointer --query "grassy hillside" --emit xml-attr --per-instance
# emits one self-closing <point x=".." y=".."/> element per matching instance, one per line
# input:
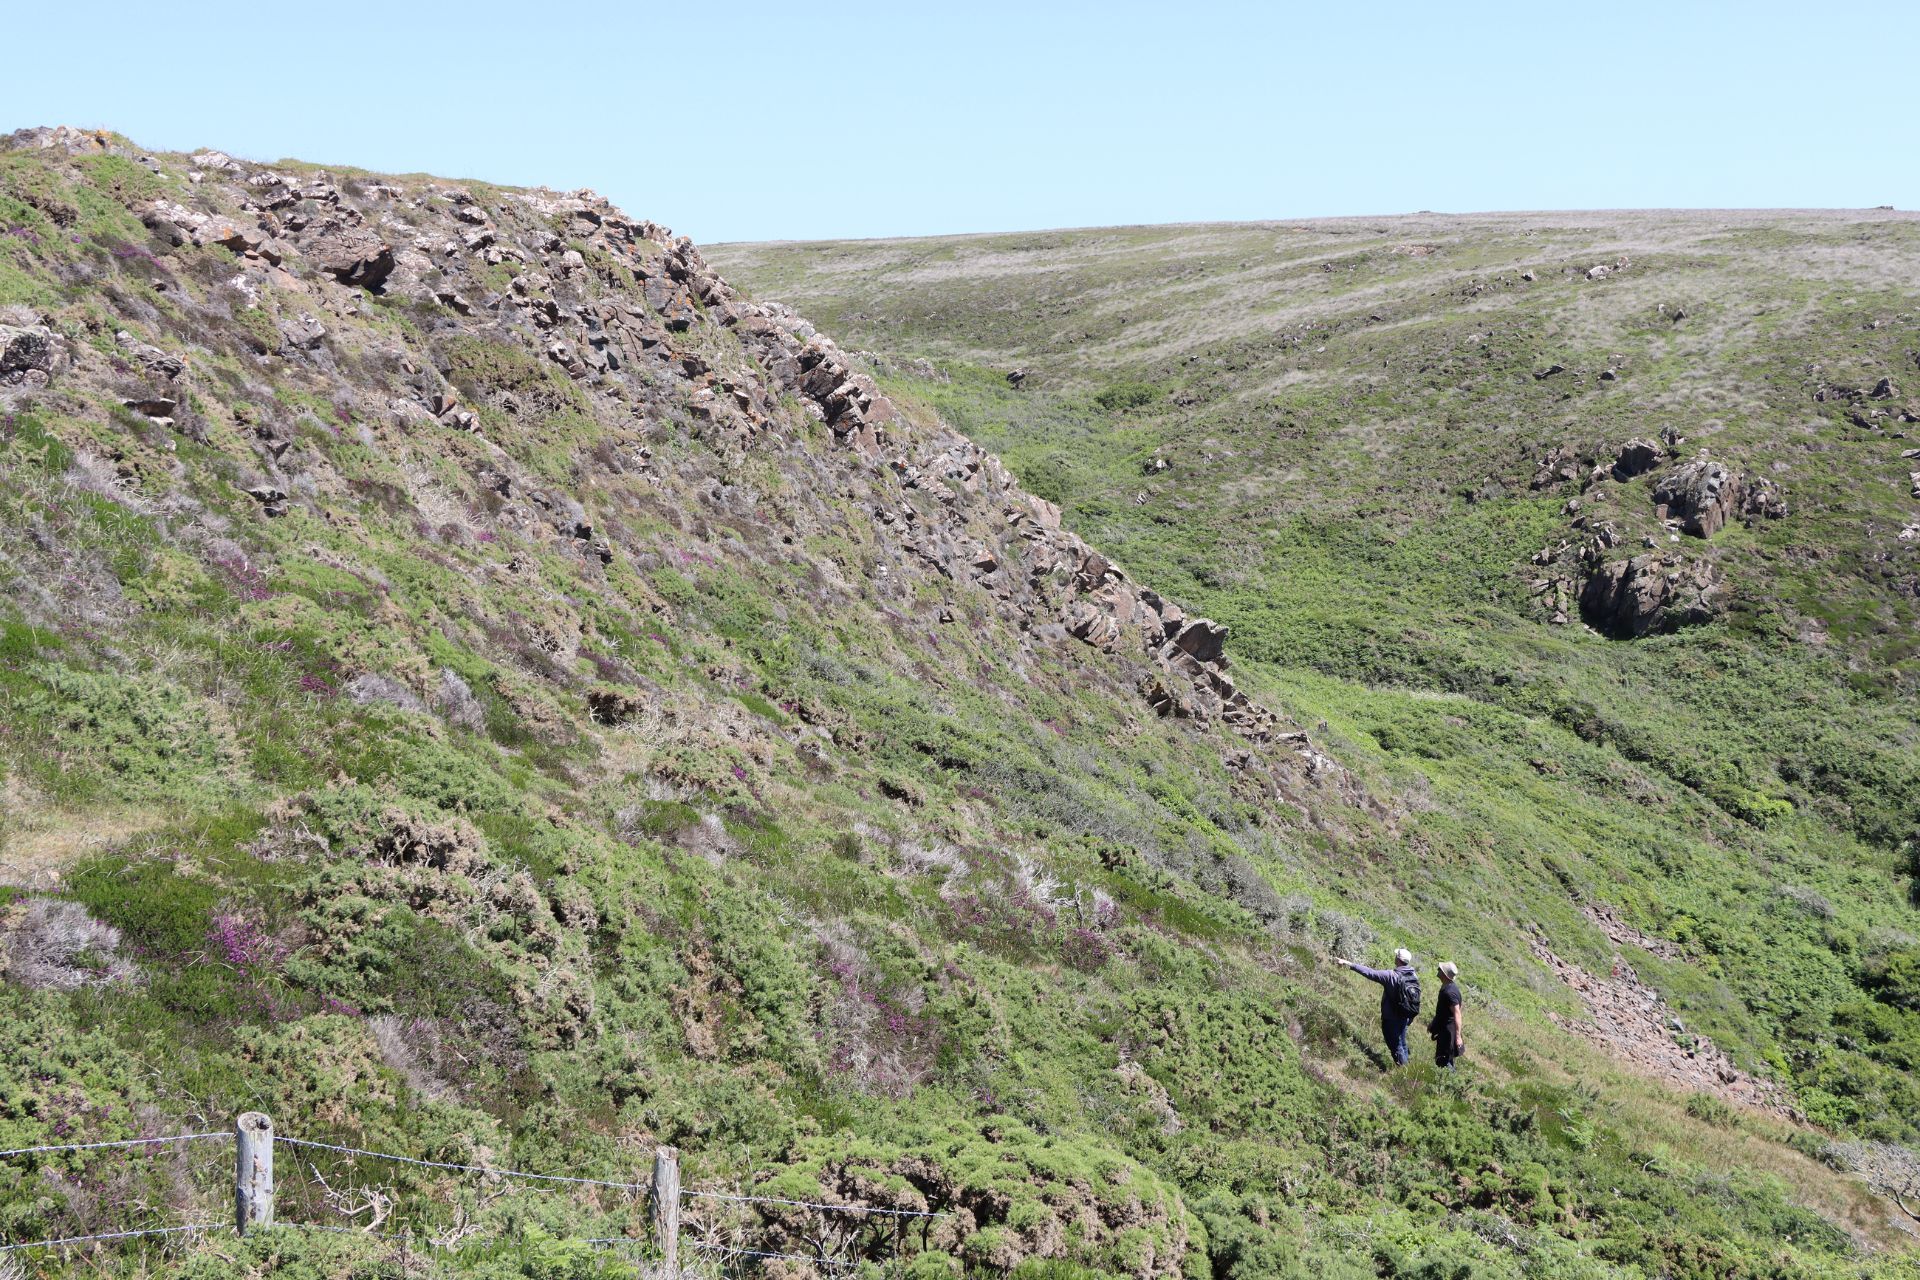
<point x="475" y="686"/>
<point x="1340" y="437"/>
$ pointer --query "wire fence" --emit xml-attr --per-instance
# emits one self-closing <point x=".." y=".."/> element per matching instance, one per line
<point x="732" y="1252"/>
<point x="122" y="1142"/>
<point x="113" y="1235"/>
<point x="723" y="1252"/>
<point x="809" y="1204"/>
<point x="466" y="1168"/>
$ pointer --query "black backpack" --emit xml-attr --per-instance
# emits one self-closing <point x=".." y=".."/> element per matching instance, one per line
<point x="1406" y="993"/>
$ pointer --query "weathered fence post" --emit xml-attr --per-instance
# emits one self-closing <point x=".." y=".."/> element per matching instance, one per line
<point x="666" y="1207"/>
<point x="252" y="1171"/>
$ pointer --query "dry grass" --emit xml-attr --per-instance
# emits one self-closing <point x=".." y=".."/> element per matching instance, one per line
<point x="1158" y="294"/>
<point x="40" y="842"/>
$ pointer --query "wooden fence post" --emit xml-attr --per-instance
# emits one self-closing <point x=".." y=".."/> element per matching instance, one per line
<point x="666" y="1208"/>
<point x="252" y="1171"/>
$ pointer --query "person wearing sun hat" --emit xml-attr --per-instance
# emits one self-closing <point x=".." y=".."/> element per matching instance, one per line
<point x="1449" y="1042"/>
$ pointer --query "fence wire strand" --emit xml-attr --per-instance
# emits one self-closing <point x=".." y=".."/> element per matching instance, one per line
<point x="465" y="1168"/>
<point x="122" y="1142"/>
<point x="113" y="1235"/>
<point x="809" y="1204"/>
<point x="761" y="1253"/>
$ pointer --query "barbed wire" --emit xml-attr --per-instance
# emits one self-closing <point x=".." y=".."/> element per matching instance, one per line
<point x="809" y="1204"/>
<point x="761" y="1253"/>
<point x="122" y="1142"/>
<point x="465" y="1168"/>
<point x="113" y="1235"/>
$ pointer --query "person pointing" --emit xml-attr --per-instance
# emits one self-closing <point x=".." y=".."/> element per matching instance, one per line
<point x="1399" y="999"/>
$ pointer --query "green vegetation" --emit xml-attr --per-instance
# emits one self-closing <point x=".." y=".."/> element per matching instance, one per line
<point x="414" y="819"/>
<point x="1337" y="462"/>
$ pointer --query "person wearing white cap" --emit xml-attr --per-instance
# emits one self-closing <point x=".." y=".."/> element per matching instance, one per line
<point x="1399" y="999"/>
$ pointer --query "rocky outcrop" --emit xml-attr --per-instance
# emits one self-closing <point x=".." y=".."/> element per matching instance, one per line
<point x="1630" y="1020"/>
<point x="811" y="366"/>
<point x="1066" y="589"/>
<point x="28" y="355"/>
<point x="651" y="337"/>
<point x="1662" y="589"/>
<point x="352" y="255"/>
<point x="1636" y="458"/>
<point x="1701" y="495"/>
<point x="1634" y="597"/>
<point x="1561" y="466"/>
<point x="1762" y="500"/>
<point x="152" y="359"/>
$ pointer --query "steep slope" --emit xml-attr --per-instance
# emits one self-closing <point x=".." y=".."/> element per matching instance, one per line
<point x="1411" y="457"/>
<point x="1632" y="480"/>
<point x="477" y="686"/>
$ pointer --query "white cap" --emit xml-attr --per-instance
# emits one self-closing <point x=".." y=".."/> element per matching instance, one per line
<point x="1403" y="956"/>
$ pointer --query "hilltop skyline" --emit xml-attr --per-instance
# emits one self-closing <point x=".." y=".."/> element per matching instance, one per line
<point x="883" y="123"/>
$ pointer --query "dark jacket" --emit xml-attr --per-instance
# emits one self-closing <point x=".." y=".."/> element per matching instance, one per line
<point x="1390" y="980"/>
<point x="1440" y="1026"/>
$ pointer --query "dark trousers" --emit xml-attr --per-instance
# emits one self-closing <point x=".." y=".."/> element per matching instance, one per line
<point x="1395" y="1030"/>
<point x="1444" y="1053"/>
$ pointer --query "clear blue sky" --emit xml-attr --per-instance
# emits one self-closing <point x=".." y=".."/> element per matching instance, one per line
<point x="803" y="119"/>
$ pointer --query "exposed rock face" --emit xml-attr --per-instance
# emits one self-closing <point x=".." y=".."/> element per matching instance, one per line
<point x="63" y="137"/>
<point x="302" y="332"/>
<point x="1087" y="597"/>
<point x="1636" y="458"/>
<point x="1624" y="596"/>
<point x="1762" y="500"/>
<point x="159" y="408"/>
<point x="812" y="367"/>
<point x="151" y="358"/>
<point x="1632" y="1021"/>
<point x="1558" y="467"/>
<point x="1655" y="591"/>
<point x="654" y="340"/>
<point x="1702" y="495"/>
<point x="352" y="255"/>
<point x="1634" y="597"/>
<point x="27" y="355"/>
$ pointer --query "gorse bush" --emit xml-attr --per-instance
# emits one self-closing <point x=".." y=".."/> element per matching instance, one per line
<point x="1126" y="395"/>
